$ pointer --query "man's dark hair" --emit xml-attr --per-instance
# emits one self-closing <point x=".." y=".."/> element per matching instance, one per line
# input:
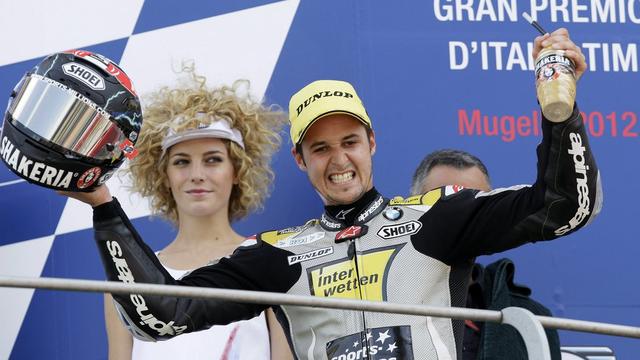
<point x="448" y="157"/>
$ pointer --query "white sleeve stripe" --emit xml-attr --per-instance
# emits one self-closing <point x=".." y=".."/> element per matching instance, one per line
<point x="248" y="242"/>
<point x="499" y="190"/>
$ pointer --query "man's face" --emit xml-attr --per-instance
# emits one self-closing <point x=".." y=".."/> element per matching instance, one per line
<point x="337" y="158"/>
<point x="442" y="175"/>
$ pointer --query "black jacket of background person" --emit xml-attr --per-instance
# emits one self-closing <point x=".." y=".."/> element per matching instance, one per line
<point x="493" y="288"/>
<point x="417" y="250"/>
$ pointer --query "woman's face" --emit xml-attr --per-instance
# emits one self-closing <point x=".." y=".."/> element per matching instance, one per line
<point x="201" y="177"/>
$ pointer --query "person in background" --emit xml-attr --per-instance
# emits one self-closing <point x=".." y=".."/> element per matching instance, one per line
<point x="204" y="162"/>
<point x="460" y="168"/>
<point x="450" y="167"/>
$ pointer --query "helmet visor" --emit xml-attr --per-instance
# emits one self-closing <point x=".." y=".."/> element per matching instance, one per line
<point x="66" y="118"/>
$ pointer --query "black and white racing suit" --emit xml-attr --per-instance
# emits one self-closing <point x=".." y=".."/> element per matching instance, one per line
<point x="417" y="250"/>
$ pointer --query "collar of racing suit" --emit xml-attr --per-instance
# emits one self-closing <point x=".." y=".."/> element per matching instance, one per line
<point x="337" y="217"/>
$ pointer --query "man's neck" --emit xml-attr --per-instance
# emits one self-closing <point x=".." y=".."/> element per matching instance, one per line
<point x="347" y="213"/>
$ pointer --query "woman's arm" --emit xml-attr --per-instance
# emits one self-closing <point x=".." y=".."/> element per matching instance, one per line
<point x="120" y="340"/>
<point x="279" y="345"/>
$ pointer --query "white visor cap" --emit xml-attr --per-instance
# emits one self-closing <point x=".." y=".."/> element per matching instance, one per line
<point x="219" y="129"/>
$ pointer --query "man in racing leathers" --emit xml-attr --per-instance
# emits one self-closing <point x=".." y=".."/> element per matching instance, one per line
<point x="417" y="250"/>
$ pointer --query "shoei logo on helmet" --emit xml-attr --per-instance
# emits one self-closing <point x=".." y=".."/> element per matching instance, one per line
<point x="84" y="74"/>
<point x="33" y="170"/>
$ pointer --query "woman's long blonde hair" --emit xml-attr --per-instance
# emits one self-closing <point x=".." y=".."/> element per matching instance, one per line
<point x="259" y="124"/>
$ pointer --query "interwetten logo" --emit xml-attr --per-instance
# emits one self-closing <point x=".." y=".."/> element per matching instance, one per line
<point x="339" y="278"/>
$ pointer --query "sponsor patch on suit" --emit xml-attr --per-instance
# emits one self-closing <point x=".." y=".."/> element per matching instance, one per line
<point x="310" y="255"/>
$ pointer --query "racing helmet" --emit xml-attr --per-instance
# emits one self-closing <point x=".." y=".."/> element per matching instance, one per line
<point x="70" y="122"/>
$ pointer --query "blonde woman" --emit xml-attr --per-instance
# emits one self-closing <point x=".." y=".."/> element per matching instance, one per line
<point x="204" y="162"/>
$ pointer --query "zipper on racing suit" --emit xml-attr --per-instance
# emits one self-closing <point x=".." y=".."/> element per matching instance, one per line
<point x="352" y="254"/>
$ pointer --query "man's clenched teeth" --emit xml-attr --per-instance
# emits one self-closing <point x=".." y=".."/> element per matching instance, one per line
<point x="342" y="178"/>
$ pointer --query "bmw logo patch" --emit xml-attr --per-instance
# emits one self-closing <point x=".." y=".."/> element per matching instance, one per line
<point x="392" y="213"/>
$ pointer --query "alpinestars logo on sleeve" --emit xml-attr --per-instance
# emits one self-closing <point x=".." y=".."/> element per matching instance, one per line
<point x="577" y="151"/>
